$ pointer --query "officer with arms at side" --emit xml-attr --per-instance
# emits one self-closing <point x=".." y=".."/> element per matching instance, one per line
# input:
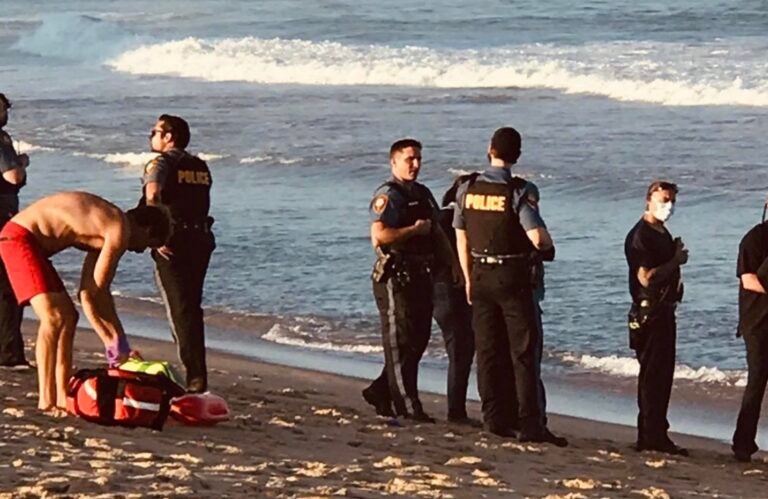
<point x="407" y="240"/>
<point x="14" y="177"/>
<point x="655" y="284"/>
<point x="752" y="270"/>
<point x="182" y="183"/>
<point x="501" y="238"/>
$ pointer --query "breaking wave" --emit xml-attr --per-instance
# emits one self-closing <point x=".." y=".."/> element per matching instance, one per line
<point x="629" y="367"/>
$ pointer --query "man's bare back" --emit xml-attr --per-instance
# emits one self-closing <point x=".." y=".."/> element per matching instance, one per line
<point x="104" y="232"/>
<point x="73" y="219"/>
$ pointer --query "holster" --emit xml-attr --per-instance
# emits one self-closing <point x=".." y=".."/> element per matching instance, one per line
<point x="383" y="267"/>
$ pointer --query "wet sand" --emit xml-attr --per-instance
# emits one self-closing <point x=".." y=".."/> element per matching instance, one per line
<point x="300" y="433"/>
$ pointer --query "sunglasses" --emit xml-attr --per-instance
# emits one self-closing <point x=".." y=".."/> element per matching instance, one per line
<point x="154" y="131"/>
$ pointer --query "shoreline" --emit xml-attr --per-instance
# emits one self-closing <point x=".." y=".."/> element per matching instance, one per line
<point x="298" y="432"/>
<point x="699" y="409"/>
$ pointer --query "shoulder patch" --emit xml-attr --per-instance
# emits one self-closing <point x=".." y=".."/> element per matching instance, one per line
<point x="379" y="203"/>
<point x="152" y="166"/>
<point x="532" y="199"/>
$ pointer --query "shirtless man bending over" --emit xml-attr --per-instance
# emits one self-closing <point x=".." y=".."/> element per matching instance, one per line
<point x="96" y="226"/>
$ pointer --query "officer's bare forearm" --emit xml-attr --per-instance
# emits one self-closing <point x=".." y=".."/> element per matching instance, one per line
<point x="540" y="238"/>
<point x="657" y="276"/>
<point x="383" y="235"/>
<point x="751" y="282"/>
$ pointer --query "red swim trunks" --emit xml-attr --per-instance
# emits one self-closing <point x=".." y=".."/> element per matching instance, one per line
<point x="29" y="270"/>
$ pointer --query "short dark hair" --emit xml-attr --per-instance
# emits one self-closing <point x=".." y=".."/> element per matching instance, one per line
<point x="5" y="101"/>
<point x="401" y="144"/>
<point x="660" y="185"/>
<point x="178" y="128"/>
<point x="155" y="219"/>
<point x="506" y="144"/>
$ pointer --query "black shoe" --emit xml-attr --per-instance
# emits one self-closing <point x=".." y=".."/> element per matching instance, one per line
<point x="197" y="385"/>
<point x="554" y="439"/>
<point x="465" y="421"/>
<point x="382" y="407"/>
<point x="421" y="417"/>
<point x="742" y="456"/>
<point x="503" y="432"/>
<point x="543" y="437"/>
<point x="668" y="447"/>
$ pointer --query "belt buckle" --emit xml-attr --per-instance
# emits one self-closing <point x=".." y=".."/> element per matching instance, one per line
<point x="492" y="260"/>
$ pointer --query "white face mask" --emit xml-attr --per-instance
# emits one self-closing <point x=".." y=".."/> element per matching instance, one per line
<point x="663" y="211"/>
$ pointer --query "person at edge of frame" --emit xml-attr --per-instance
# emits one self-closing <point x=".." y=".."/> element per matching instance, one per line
<point x="655" y="284"/>
<point x="752" y="271"/>
<point x="182" y="183"/>
<point x="501" y="238"/>
<point x="13" y="176"/>
<point x="408" y="241"/>
<point x="454" y="316"/>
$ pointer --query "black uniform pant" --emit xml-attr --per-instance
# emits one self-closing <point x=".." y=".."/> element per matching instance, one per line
<point x="656" y="354"/>
<point x="757" y="377"/>
<point x="454" y="316"/>
<point x="405" y="311"/>
<point x="507" y="338"/>
<point x="11" y="342"/>
<point x="180" y="280"/>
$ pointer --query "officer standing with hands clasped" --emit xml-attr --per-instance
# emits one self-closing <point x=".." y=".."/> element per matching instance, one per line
<point x="655" y="284"/>
<point x="13" y="176"/>
<point x="500" y="237"/>
<point x="407" y="240"/>
<point x="182" y="183"/>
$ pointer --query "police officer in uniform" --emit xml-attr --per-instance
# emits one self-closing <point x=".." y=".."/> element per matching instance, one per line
<point x="182" y="183"/>
<point x="500" y="237"/>
<point x="407" y="240"/>
<point x="752" y="270"/>
<point x="13" y="177"/>
<point x="654" y="259"/>
<point x="454" y="316"/>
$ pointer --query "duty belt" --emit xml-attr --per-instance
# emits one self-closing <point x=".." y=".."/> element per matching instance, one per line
<point x="201" y="226"/>
<point x="498" y="259"/>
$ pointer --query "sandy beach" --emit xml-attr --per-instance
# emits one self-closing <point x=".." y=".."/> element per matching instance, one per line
<point x="300" y="433"/>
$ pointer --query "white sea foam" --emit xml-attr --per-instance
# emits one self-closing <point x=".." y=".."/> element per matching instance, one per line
<point x="26" y="147"/>
<point x="137" y="160"/>
<point x="268" y="158"/>
<point x="629" y="367"/>
<point x="724" y="72"/>
<point x="292" y="335"/>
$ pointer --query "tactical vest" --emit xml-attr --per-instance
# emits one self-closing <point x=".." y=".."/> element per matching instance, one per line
<point x="187" y="188"/>
<point x="419" y="205"/>
<point x="492" y="222"/>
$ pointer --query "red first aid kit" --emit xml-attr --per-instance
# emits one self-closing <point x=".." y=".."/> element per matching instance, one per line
<point x="114" y="397"/>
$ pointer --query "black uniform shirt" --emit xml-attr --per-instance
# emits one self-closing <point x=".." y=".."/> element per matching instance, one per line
<point x="649" y="248"/>
<point x="753" y="307"/>
<point x="9" y="160"/>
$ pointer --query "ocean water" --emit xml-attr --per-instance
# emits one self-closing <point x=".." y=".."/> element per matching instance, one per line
<point x="294" y="105"/>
